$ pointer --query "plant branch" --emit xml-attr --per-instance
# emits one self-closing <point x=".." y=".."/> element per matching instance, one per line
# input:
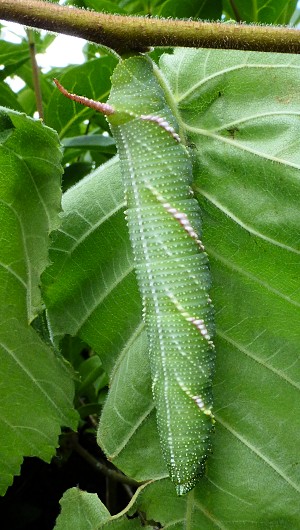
<point x="235" y="10"/>
<point x="136" y="33"/>
<point x="35" y="74"/>
<point x="98" y="466"/>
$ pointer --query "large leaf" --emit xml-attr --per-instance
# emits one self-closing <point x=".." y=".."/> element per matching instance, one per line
<point x="103" y="6"/>
<point x="91" y="291"/>
<point x="8" y="98"/>
<point x="92" y="275"/>
<point x="263" y="11"/>
<point x="204" y="9"/>
<point x="84" y="511"/>
<point x="209" y="507"/>
<point x="245" y="145"/>
<point x="13" y="56"/>
<point x="36" y="388"/>
<point x="81" y="511"/>
<point x="247" y="178"/>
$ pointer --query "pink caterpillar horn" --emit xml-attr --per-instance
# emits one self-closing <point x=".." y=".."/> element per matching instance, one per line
<point x="104" y="108"/>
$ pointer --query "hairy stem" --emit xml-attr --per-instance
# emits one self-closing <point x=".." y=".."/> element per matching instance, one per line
<point x="35" y="74"/>
<point x="136" y="33"/>
<point x="98" y="466"/>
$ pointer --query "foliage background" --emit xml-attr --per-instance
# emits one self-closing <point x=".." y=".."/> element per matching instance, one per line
<point x="240" y="112"/>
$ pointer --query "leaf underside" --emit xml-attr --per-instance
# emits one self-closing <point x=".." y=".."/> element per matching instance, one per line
<point x="36" y="389"/>
<point x="245" y="147"/>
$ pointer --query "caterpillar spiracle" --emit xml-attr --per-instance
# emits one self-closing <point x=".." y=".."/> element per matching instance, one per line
<point x="170" y="262"/>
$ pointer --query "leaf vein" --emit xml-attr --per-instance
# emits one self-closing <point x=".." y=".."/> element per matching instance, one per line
<point x="244" y="225"/>
<point x="258" y="453"/>
<point x="258" y="360"/>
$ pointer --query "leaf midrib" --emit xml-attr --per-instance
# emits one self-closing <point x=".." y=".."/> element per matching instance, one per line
<point x="260" y="361"/>
<point x="258" y="453"/>
<point x="247" y="227"/>
<point x="239" y="145"/>
<point x="220" y="73"/>
<point x="231" y="266"/>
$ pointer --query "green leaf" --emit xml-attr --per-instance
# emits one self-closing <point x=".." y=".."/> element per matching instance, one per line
<point x="204" y="9"/>
<point x="12" y="56"/>
<point x="160" y="505"/>
<point x="247" y="180"/>
<point x="92" y="274"/>
<point x="8" y="98"/>
<point x="104" y="6"/>
<point x="46" y="83"/>
<point x="208" y="507"/>
<point x="84" y="511"/>
<point x="133" y="425"/>
<point x="85" y="286"/>
<point x="81" y="511"/>
<point x="245" y="144"/>
<point x="295" y="17"/>
<point x="30" y="191"/>
<point x="263" y="11"/>
<point x="91" y="141"/>
<point x="36" y="388"/>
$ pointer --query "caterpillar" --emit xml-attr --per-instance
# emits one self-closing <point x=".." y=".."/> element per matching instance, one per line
<point x="170" y="262"/>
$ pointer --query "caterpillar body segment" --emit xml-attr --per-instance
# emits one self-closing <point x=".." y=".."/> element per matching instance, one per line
<point x="164" y="222"/>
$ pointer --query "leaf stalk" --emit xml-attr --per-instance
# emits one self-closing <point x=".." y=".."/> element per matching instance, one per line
<point x="35" y="75"/>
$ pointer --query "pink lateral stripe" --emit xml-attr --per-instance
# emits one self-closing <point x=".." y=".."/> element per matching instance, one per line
<point x="162" y="123"/>
<point x="104" y="108"/>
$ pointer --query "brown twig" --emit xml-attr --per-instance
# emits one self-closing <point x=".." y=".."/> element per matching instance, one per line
<point x="235" y="11"/>
<point x="35" y="74"/>
<point x="97" y="465"/>
<point x="137" y="33"/>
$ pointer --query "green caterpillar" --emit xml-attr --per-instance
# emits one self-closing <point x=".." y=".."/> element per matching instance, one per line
<point x="170" y="262"/>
